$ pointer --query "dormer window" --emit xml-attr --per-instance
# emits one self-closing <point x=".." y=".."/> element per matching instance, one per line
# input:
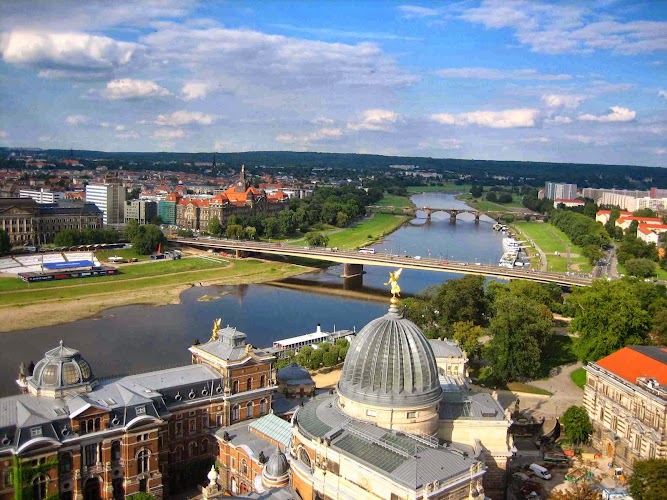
<point x="141" y="410"/>
<point x="35" y="431"/>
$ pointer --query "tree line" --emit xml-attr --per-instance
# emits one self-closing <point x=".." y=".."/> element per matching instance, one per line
<point x="325" y="354"/>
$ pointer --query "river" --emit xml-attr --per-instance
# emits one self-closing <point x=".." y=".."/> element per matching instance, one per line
<point x="133" y="339"/>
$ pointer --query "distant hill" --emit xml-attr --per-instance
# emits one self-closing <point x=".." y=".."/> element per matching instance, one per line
<point x="593" y="175"/>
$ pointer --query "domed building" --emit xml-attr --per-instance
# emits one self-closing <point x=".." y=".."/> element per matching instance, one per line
<point x="399" y="425"/>
<point x="295" y="381"/>
<point x="276" y="470"/>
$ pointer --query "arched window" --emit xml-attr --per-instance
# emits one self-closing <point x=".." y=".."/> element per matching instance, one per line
<point x="235" y="387"/>
<point x="115" y="451"/>
<point x="248" y="410"/>
<point x="98" y="422"/>
<point x="178" y="454"/>
<point x="262" y="407"/>
<point x="244" y="468"/>
<point x="303" y="456"/>
<point x="249" y="384"/>
<point x="262" y="381"/>
<point x="39" y="487"/>
<point x="235" y="412"/>
<point x="142" y="461"/>
<point x="204" y="446"/>
<point x="65" y="462"/>
<point x="192" y="449"/>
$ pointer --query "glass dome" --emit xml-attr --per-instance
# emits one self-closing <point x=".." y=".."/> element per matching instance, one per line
<point x="61" y="369"/>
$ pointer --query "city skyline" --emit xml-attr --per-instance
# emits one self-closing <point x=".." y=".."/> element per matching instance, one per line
<point x="510" y="80"/>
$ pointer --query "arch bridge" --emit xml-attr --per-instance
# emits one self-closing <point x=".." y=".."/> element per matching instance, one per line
<point x="453" y="212"/>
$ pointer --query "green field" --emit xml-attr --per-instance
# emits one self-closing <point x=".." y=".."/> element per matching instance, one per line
<point x="489" y="206"/>
<point x="392" y="200"/>
<point x="661" y="273"/>
<point x="579" y="377"/>
<point x="142" y="276"/>
<point x="551" y="239"/>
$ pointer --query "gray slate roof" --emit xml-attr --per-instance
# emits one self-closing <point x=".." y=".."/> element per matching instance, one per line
<point x="478" y="406"/>
<point x="445" y="348"/>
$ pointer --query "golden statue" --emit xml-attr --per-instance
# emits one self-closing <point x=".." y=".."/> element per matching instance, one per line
<point x="395" y="289"/>
<point x="216" y="328"/>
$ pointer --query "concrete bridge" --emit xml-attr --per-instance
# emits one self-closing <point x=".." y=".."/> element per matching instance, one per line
<point x="353" y="261"/>
<point x="453" y="212"/>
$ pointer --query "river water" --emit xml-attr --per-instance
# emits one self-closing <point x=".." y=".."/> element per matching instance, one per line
<point x="133" y="339"/>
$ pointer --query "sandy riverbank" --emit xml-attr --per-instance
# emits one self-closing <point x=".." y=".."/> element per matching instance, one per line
<point x="59" y="311"/>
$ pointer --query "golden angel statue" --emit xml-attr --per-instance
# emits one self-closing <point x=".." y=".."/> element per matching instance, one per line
<point x="216" y="328"/>
<point x="395" y="289"/>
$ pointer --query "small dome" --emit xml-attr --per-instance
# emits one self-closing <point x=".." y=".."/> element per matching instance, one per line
<point x="390" y="364"/>
<point x="292" y="373"/>
<point x="276" y="470"/>
<point x="61" y="369"/>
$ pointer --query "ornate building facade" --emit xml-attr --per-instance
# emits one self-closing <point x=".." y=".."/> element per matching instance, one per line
<point x="31" y="223"/>
<point x="88" y="439"/>
<point x="626" y="399"/>
<point x="239" y="199"/>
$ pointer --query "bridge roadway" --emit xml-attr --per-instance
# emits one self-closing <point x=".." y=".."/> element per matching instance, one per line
<point x="384" y="259"/>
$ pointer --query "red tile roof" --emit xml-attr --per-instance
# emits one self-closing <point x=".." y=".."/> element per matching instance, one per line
<point x="630" y="363"/>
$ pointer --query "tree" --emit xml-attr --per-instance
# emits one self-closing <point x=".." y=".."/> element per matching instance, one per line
<point x="234" y="231"/>
<point x="583" y="490"/>
<point x="215" y="226"/>
<point x="649" y="481"/>
<point x="5" y="244"/>
<point x="641" y="268"/>
<point x="330" y="358"/>
<point x="317" y="239"/>
<point x="607" y="316"/>
<point x="520" y="330"/>
<point x="132" y="229"/>
<point x="467" y="334"/>
<point x="142" y="496"/>
<point x="491" y="196"/>
<point x="250" y="232"/>
<point x="315" y="359"/>
<point x="578" y="427"/>
<point x="147" y="239"/>
<point x="476" y="191"/>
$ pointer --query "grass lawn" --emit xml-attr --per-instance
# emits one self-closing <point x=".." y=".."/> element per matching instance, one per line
<point x="483" y="377"/>
<point x="140" y="276"/>
<point x="579" y="377"/>
<point x="444" y="188"/>
<point x="662" y="274"/>
<point x="392" y="200"/>
<point x="489" y="206"/>
<point x="551" y="239"/>
<point x="364" y="233"/>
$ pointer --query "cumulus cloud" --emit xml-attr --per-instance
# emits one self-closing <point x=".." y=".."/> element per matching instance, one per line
<point x="75" y="120"/>
<point x="661" y="151"/>
<point x="195" y="90"/>
<point x="323" y="120"/>
<point x="663" y="93"/>
<point x="166" y="134"/>
<point x="500" y="74"/>
<point x="588" y="139"/>
<point x="508" y="118"/>
<point x="316" y="136"/>
<point x="375" y="119"/>
<point x="449" y="144"/>
<point x="616" y="114"/>
<point x="132" y="89"/>
<point x="68" y="55"/>
<point x="128" y="135"/>
<point x="561" y="28"/>
<point x="560" y="120"/>
<point x="559" y="101"/>
<point x="411" y="11"/>
<point x="536" y="140"/>
<point x="182" y="117"/>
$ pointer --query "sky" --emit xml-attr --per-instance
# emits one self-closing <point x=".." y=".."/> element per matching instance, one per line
<point x="494" y="80"/>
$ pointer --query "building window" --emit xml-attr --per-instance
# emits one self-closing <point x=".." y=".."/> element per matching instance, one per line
<point x="412" y="414"/>
<point x="7" y="478"/>
<point x="65" y="462"/>
<point x="204" y="446"/>
<point x="39" y="487"/>
<point x="244" y="468"/>
<point x="115" y="451"/>
<point x="371" y="413"/>
<point x="192" y="449"/>
<point x="179" y="428"/>
<point x="638" y="442"/>
<point x="219" y="420"/>
<point x="614" y="424"/>
<point x="35" y="432"/>
<point x="235" y="387"/>
<point x="142" y="461"/>
<point x="602" y="415"/>
<point x="262" y="407"/>
<point x="235" y="413"/>
<point x="192" y="425"/>
<point x="90" y="455"/>
<point x="262" y="381"/>
<point x="651" y="451"/>
<point x="303" y="456"/>
<point x="249" y="384"/>
<point x="204" y="422"/>
<point x="248" y="410"/>
<point x="178" y="454"/>
<point x="141" y="410"/>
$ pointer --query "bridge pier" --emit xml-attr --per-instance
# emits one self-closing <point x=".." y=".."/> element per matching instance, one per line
<point x="352" y="270"/>
<point x="241" y="254"/>
<point x="452" y="216"/>
<point x="477" y="214"/>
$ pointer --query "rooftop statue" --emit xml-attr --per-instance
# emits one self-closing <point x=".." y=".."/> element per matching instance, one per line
<point x="216" y="328"/>
<point x="395" y="289"/>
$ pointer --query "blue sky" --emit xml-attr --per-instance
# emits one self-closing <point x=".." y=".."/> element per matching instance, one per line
<point x="506" y="80"/>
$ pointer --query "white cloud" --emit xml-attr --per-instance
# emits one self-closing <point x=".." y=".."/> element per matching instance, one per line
<point x="375" y="119"/>
<point x="68" y="55"/>
<point x="560" y="120"/>
<point x="558" y="101"/>
<point x="616" y="114"/>
<point x="119" y="128"/>
<point x="661" y="151"/>
<point x="324" y="120"/>
<point x="305" y="140"/>
<point x="3" y="134"/>
<point x="132" y="89"/>
<point x="536" y="140"/>
<point x="500" y="74"/>
<point x="411" y="11"/>
<point x="449" y="144"/>
<point x="663" y="93"/>
<point x="128" y="135"/>
<point x="163" y="133"/>
<point x="554" y="28"/>
<point x="182" y="117"/>
<point x="508" y="118"/>
<point x="195" y="90"/>
<point x="588" y="139"/>
<point x="75" y="120"/>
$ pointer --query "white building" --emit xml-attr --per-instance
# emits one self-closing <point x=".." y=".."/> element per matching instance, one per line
<point x="110" y="198"/>
<point x="568" y="202"/>
<point x="553" y="190"/>
<point x="41" y="196"/>
<point x="650" y="233"/>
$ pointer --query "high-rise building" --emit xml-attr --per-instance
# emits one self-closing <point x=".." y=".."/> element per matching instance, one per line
<point x="42" y="195"/>
<point x="110" y="198"/>
<point x="140" y="210"/>
<point x="554" y="190"/>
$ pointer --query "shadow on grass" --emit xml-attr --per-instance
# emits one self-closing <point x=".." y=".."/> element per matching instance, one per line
<point x="558" y="352"/>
